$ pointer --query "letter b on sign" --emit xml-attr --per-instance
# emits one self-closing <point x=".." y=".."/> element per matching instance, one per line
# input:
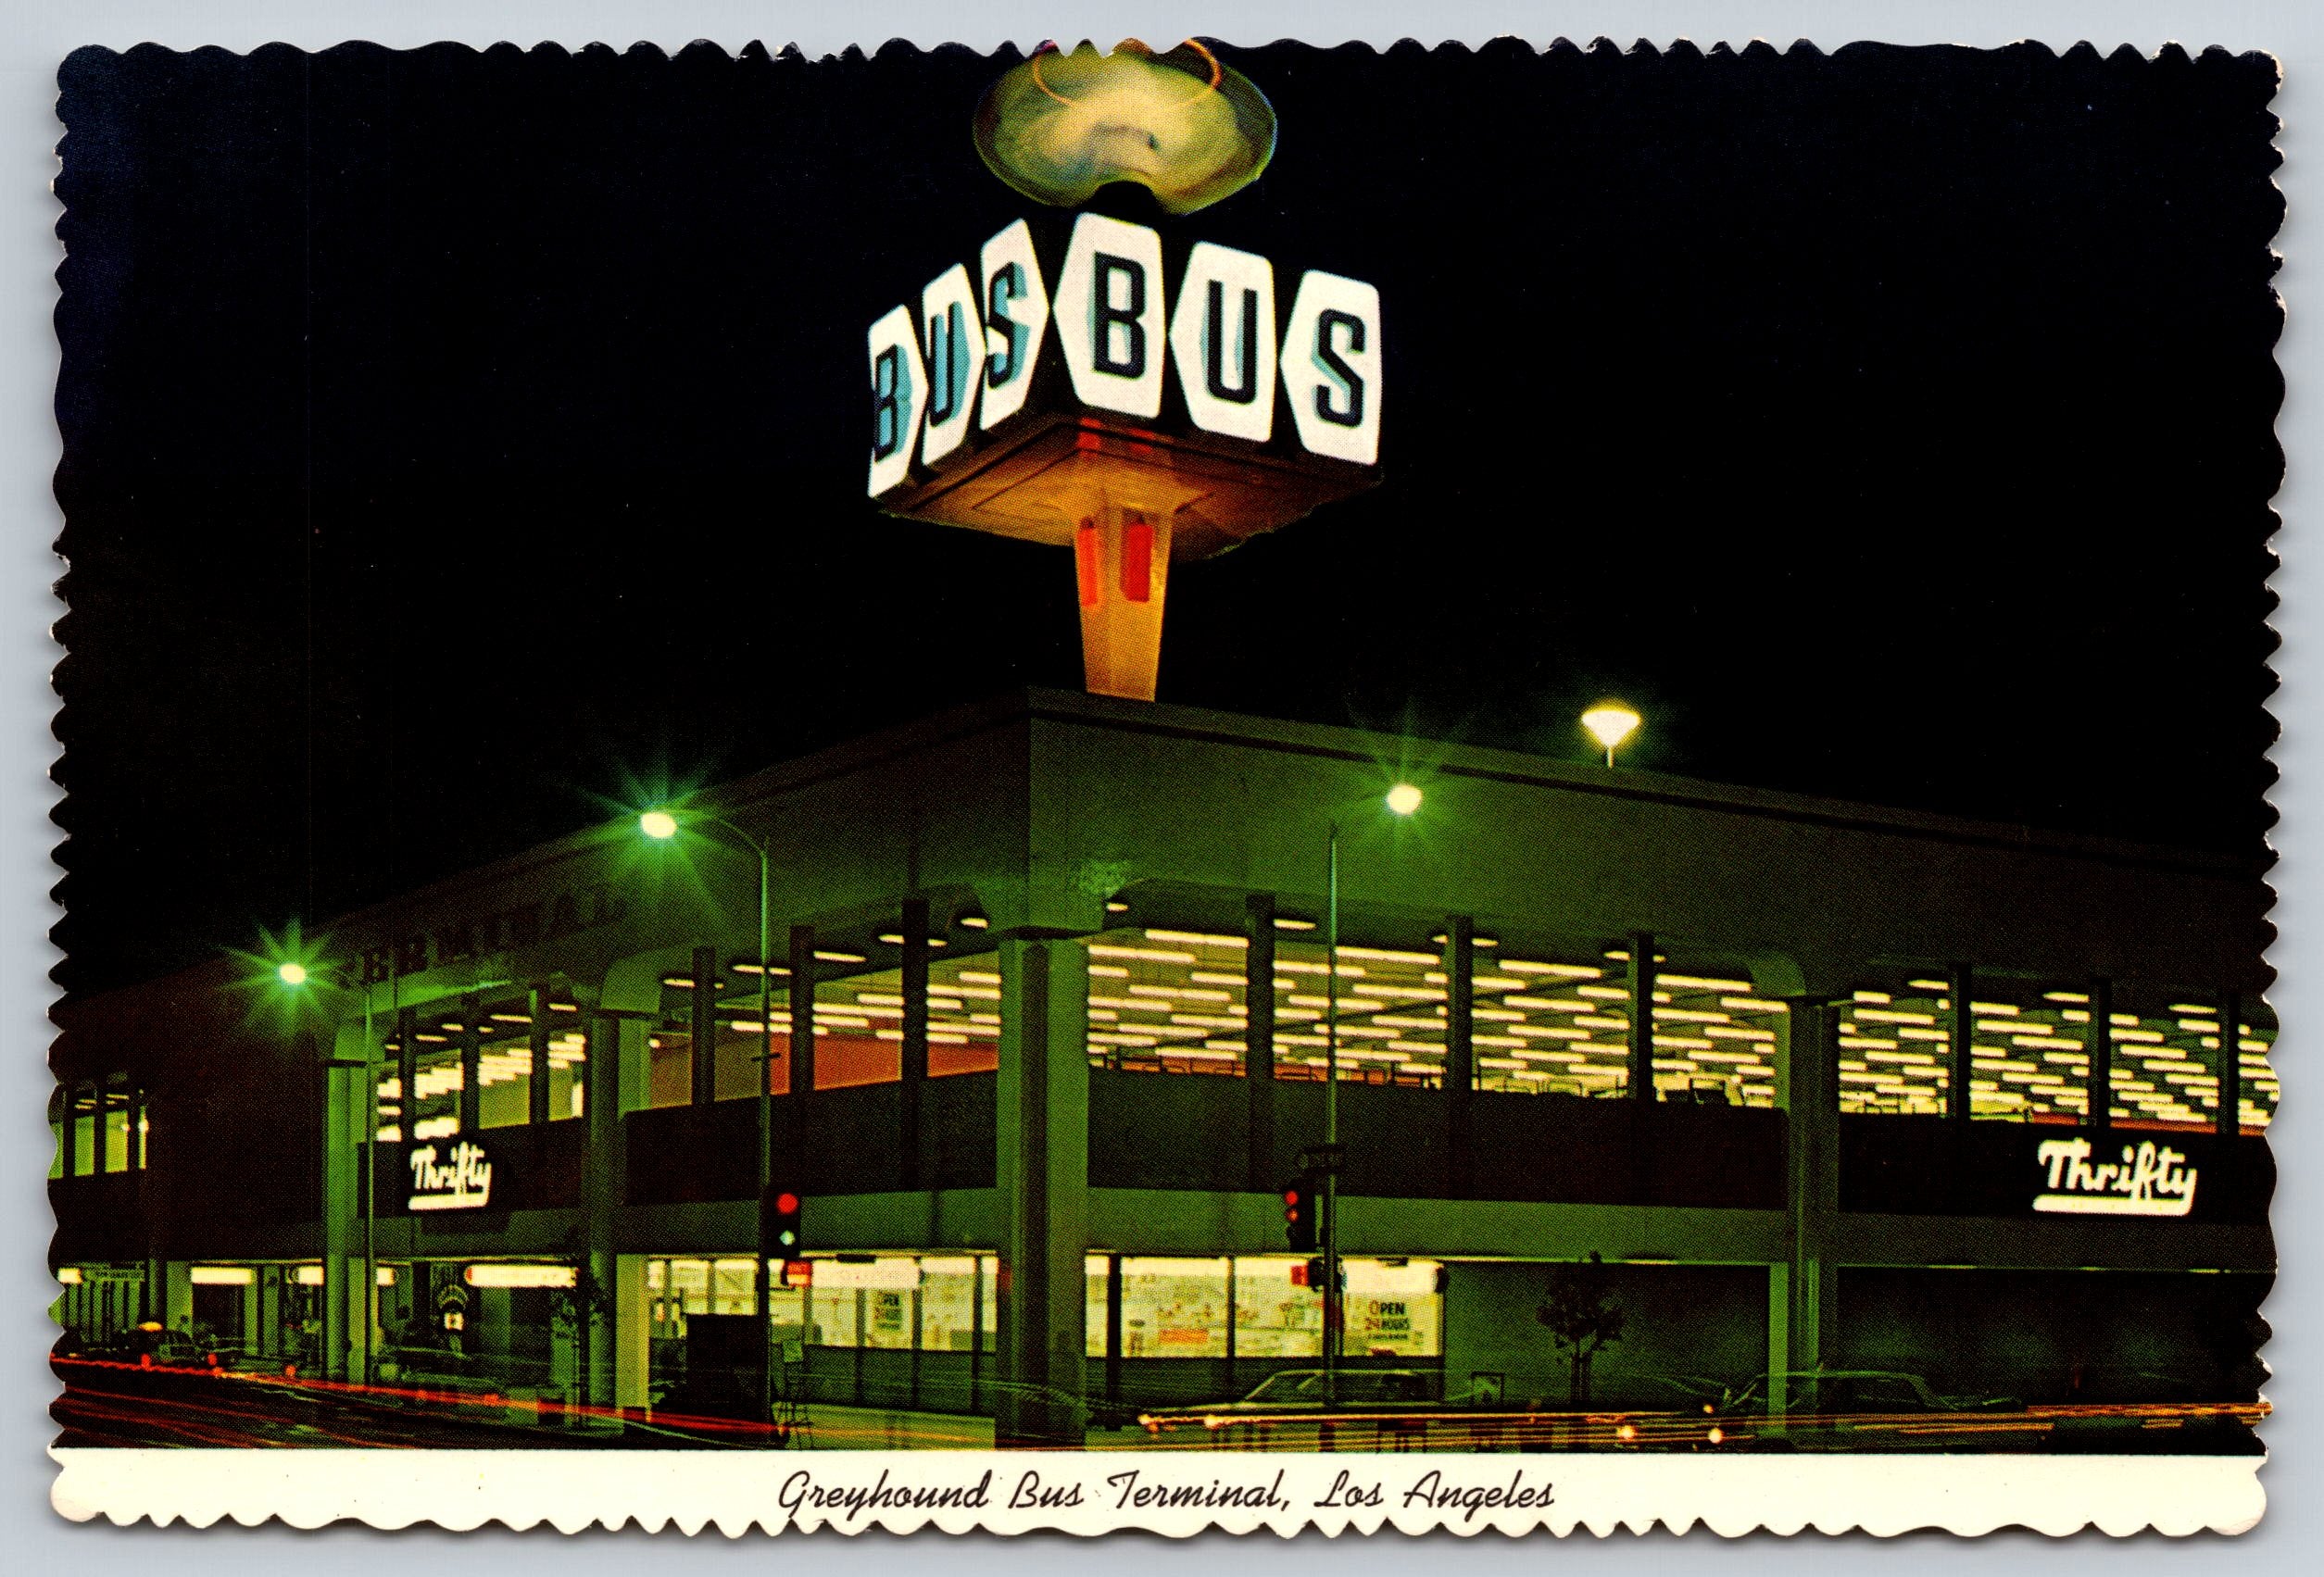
<point x="899" y="383"/>
<point x="1110" y="316"/>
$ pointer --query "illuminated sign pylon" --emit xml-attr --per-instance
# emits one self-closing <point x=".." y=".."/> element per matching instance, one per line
<point x="1102" y="386"/>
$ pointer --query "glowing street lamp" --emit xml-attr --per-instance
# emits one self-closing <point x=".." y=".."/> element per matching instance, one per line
<point x="1403" y="799"/>
<point x="1610" y="722"/>
<point x="661" y="826"/>
<point x="291" y="973"/>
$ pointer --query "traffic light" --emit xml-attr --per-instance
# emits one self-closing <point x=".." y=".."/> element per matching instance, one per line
<point x="785" y="1240"/>
<point x="1304" y="1212"/>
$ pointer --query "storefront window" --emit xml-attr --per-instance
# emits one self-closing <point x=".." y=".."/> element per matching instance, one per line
<point x="1174" y="1307"/>
<point x="1184" y="1306"/>
<point x="948" y="1305"/>
<point x="1095" y="1271"/>
<point x="1394" y="1310"/>
<point x="892" y="1301"/>
<point x="1273" y="1316"/>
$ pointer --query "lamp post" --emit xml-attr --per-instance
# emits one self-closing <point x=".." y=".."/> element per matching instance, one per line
<point x="661" y="826"/>
<point x="1610" y="722"/>
<point x="1403" y="799"/>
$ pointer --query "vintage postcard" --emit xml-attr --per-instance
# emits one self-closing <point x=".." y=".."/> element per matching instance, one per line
<point x="1166" y="785"/>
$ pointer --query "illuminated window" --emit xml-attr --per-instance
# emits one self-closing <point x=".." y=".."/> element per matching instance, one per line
<point x="1165" y="1001"/>
<point x="1391" y="1013"/>
<point x="859" y="1016"/>
<point x="1260" y="1307"/>
<point x="1276" y="1316"/>
<point x="98" y="1127"/>
<point x="948" y="1320"/>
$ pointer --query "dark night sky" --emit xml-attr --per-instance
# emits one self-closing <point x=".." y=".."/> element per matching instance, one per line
<point x="456" y="440"/>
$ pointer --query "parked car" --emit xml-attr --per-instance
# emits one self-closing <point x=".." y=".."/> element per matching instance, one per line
<point x="142" y="1346"/>
<point x="1307" y="1394"/>
<point x="1876" y="1409"/>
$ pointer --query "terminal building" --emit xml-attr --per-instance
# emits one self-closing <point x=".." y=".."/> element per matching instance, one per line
<point x="1824" y="1085"/>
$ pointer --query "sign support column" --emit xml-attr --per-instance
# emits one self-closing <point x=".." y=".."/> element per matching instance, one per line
<point x="1803" y="1294"/>
<point x="1043" y="1176"/>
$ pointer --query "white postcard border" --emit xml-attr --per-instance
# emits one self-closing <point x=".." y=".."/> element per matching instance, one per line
<point x="1174" y="1493"/>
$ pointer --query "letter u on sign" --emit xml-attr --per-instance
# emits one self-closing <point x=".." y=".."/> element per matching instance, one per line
<point x="955" y="342"/>
<point x="1222" y="341"/>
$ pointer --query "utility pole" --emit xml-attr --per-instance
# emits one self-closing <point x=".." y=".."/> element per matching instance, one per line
<point x="1330" y="1158"/>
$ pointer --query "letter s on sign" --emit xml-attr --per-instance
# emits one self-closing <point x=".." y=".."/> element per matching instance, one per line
<point x="1331" y="367"/>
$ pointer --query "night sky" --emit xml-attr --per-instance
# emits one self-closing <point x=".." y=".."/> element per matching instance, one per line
<point x="462" y="445"/>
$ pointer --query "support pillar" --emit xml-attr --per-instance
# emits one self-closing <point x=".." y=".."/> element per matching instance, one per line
<point x="914" y="1060"/>
<point x="346" y="1345"/>
<point x="633" y="1334"/>
<point x="1960" y="1045"/>
<point x="1044" y="1178"/>
<point x="1259" y="1041"/>
<point x="802" y="963"/>
<point x="2099" y="1043"/>
<point x="536" y="1087"/>
<point x="605" y="1184"/>
<point x="472" y="1067"/>
<point x="702" y="1026"/>
<point x="1460" y="1046"/>
<point x="1121" y="570"/>
<point x="1803" y="1294"/>
<point x="1641" y="1076"/>
<point x="2229" y="1119"/>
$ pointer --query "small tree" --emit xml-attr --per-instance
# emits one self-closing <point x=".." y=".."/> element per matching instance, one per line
<point x="1583" y="1319"/>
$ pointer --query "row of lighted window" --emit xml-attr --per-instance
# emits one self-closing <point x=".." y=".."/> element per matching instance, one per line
<point x="504" y="1094"/>
<point x="1175" y="1001"/>
<point x="1243" y="1306"/>
<point x="2032" y="1060"/>
<point x="96" y="1139"/>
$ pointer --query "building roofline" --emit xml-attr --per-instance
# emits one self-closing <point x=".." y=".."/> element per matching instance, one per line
<point x="1445" y="759"/>
<point x="1455" y="759"/>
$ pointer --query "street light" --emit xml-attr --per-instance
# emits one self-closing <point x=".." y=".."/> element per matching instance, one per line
<point x="1402" y="800"/>
<point x="661" y="826"/>
<point x="1610" y="722"/>
<point x="291" y="973"/>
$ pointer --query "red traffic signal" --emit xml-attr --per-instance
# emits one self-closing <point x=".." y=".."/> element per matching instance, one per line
<point x="1302" y="1212"/>
<point x="785" y="1240"/>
